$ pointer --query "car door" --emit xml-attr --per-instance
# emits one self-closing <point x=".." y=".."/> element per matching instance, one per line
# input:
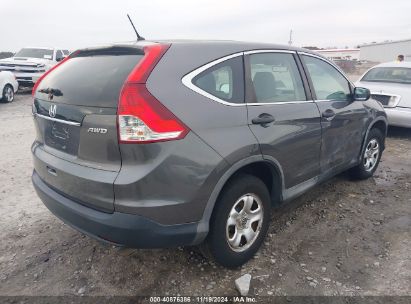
<point x="281" y="114"/>
<point x="342" y="118"/>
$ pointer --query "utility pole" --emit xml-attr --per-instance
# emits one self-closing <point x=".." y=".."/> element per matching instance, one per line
<point x="290" y="42"/>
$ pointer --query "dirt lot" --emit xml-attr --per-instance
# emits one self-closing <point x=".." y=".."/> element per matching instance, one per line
<point x="341" y="238"/>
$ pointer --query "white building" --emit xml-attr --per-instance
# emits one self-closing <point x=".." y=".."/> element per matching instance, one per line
<point x="333" y="54"/>
<point x="386" y="51"/>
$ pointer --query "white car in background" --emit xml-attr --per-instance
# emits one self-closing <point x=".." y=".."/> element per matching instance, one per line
<point x="30" y="63"/>
<point x="390" y="84"/>
<point x="8" y="86"/>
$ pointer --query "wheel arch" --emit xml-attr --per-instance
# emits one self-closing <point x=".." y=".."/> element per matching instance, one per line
<point x="381" y="124"/>
<point x="15" y="89"/>
<point x="267" y="169"/>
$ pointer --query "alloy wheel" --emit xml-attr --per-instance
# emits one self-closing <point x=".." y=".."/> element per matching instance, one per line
<point x="9" y="94"/>
<point x="371" y="154"/>
<point x="244" y="222"/>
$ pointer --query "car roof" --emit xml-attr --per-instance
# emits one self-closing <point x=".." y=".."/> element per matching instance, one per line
<point x="235" y="46"/>
<point x="234" y="43"/>
<point x="393" y="64"/>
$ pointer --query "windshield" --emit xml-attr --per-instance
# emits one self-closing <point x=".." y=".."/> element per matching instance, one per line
<point x="389" y="74"/>
<point x="35" y="53"/>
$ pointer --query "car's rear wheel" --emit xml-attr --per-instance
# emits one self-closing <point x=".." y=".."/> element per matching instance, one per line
<point x="8" y="94"/>
<point x="371" y="155"/>
<point x="240" y="221"/>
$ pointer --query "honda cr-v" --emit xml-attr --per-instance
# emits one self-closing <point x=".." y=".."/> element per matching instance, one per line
<point x="161" y="144"/>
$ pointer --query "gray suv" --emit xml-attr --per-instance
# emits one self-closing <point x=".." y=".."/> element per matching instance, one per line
<point x="171" y="143"/>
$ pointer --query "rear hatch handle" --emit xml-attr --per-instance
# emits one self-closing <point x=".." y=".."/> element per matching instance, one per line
<point x="51" y="171"/>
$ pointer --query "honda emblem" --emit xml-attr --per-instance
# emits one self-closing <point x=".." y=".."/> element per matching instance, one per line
<point x="52" y="111"/>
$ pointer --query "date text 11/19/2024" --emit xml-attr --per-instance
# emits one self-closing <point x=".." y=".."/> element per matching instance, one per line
<point x="202" y="299"/>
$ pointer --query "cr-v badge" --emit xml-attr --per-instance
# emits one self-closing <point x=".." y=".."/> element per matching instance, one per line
<point x="97" y="130"/>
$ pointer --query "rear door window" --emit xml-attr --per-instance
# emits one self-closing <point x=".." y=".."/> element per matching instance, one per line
<point x="224" y="80"/>
<point x="276" y="78"/>
<point x="91" y="78"/>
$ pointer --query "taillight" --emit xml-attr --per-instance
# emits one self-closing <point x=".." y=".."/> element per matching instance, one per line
<point x="48" y="72"/>
<point x="152" y="55"/>
<point x="141" y="117"/>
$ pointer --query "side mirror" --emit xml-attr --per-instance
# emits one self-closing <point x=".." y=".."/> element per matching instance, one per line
<point x="361" y="94"/>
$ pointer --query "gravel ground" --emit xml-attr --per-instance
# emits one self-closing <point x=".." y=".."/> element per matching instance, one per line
<point x="340" y="238"/>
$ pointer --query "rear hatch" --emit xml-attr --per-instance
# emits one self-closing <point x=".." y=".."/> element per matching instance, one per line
<point x="390" y="95"/>
<point x="76" y="150"/>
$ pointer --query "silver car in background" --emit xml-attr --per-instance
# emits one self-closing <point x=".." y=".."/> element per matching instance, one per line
<point x="390" y="84"/>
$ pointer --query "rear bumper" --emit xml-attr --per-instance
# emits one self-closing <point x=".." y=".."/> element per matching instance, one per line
<point x="398" y="116"/>
<point x="118" y="228"/>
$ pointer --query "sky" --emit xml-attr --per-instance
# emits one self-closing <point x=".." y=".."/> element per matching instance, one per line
<point x="74" y="24"/>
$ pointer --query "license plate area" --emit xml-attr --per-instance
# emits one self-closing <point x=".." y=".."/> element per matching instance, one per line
<point x="60" y="136"/>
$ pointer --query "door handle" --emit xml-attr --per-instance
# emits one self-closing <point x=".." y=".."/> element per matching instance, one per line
<point x="263" y="119"/>
<point x="328" y="114"/>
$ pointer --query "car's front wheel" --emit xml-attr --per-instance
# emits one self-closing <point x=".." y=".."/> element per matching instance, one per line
<point x="240" y="221"/>
<point x="371" y="155"/>
<point x="8" y="94"/>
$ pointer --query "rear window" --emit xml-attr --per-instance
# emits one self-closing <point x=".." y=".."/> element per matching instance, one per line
<point x="388" y="74"/>
<point x="91" y="78"/>
<point x="224" y="80"/>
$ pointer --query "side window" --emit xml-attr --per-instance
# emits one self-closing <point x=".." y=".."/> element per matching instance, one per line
<point x="328" y="82"/>
<point x="59" y="55"/>
<point x="224" y="80"/>
<point x="276" y="78"/>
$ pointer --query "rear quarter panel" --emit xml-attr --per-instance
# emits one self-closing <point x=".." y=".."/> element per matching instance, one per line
<point x="218" y="127"/>
<point x="168" y="182"/>
<point x="223" y="127"/>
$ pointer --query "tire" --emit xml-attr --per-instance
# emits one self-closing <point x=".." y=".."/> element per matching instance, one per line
<point x="370" y="156"/>
<point x="7" y="94"/>
<point x="227" y="231"/>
